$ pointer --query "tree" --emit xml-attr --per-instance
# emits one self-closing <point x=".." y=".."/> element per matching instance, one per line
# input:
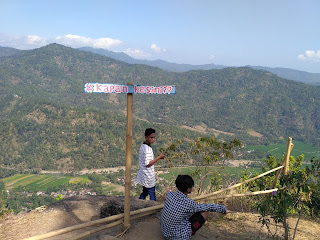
<point x="2" y="186"/>
<point x="292" y="198"/>
<point x="207" y="154"/>
<point x="315" y="187"/>
<point x="59" y="197"/>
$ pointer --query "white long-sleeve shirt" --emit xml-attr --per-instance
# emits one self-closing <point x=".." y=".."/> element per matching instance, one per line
<point x="146" y="175"/>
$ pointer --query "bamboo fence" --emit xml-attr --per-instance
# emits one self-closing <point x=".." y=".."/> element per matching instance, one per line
<point x="95" y="222"/>
<point x="148" y="211"/>
<point x="118" y="219"/>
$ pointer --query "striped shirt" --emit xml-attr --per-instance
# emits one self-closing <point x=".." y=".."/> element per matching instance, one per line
<point x="146" y="176"/>
<point x="177" y="210"/>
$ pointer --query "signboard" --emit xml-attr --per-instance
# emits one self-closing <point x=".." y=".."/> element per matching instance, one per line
<point x="119" y="88"/>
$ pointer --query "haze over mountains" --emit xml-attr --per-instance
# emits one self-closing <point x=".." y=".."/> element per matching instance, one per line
<point x="48" y="121"/>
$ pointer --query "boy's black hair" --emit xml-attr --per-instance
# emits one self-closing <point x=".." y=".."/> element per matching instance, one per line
<point x="183" y="182"/>
<point x="149" y="131"/>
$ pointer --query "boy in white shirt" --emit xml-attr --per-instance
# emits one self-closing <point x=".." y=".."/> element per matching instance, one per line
<point x="146" y="175"/>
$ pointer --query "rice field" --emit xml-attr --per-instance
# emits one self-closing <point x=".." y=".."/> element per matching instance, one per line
<point x="40" y="181"/>
<point x="227" y="172"/>
<point x="278" y="150"/>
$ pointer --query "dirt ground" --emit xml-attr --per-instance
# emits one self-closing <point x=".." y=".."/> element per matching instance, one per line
<point x="235" y="225"/>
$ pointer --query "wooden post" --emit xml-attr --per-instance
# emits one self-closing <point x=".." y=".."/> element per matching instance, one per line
<point x="126" y="221"/>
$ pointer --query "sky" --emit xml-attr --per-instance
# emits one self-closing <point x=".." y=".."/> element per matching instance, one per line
<point x="271" y="33"/>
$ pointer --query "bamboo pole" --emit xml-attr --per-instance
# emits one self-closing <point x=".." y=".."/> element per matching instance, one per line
<point x="237" y="185"/>
<point x="241" y="194"/>
<point x="126" y="221"/>
<point x="285" y="162"/>
<point x="88" y="233"/>
<point x="286" y="169"/>
<point x="92" y="223"/>
<point x="289" y="148"/>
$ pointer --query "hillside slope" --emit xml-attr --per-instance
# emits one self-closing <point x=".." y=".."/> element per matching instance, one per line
<point x="230" y="99"/>
<point x="46" y="114"/>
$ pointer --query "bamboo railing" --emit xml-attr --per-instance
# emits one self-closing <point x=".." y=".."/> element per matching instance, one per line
<point x="118" y="219"/>
<point x="93" y="223"/>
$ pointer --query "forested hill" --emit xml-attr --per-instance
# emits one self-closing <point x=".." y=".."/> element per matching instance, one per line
<point x="43" y="107"/>
<point x="7" y="51"/>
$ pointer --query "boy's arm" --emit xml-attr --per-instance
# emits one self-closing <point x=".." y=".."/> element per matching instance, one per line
<point x="161" y="156"/>
<point x="209" y="207"/>
<point x="215" y="208"/>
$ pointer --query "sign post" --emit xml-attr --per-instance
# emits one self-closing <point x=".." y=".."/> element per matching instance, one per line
<point x="126" y="220"/>
<point x="129" y="89"/>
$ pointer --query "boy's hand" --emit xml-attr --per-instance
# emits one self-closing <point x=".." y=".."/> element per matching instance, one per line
<point x="162" y="155"/>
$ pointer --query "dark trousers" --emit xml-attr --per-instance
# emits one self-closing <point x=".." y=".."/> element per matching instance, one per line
<point x="197" y="222"/>
<point x="148" y="191"/>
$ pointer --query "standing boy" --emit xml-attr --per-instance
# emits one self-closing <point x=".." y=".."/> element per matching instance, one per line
<point x="146" y="175"/>
<point x="181" y="217"/>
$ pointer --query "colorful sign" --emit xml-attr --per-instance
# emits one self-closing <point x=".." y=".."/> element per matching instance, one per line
<point x="118" y="88"/>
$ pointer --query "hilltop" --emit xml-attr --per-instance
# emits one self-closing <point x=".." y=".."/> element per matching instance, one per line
<point x="238" y="225"/>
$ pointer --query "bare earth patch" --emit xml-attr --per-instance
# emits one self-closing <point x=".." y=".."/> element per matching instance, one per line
<point x="238" y="163"/>
<point x="88" y="171"/>
<point x="255" y="134"/>
<point x="204" y="128"/>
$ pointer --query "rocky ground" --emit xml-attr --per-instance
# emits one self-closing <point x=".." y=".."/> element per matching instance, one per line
<point x="79" y="210"/>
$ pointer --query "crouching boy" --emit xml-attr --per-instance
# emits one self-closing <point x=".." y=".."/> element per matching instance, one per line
<point x="181" y="217"/>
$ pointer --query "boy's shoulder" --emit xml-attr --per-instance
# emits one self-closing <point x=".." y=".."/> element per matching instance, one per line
<point x="144" y="144"/>
<point x="145" y="147"/>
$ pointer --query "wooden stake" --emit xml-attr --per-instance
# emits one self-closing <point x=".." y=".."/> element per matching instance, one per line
<point x="126" y="221"/>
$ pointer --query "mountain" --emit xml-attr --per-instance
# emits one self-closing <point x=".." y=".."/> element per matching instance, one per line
<point x="173" y="67"/>
<point x="7" y="51"/>
<point x="287" y="73"/>
<point x="291" y="74"/>
<point x="48" y="121"/>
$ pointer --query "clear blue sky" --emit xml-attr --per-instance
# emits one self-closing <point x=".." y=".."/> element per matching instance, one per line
<point x="273" y="33"/>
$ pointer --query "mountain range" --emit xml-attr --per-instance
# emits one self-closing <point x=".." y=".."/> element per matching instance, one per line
<point x="49" y="122"/>
<point x="287" y="73"/>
